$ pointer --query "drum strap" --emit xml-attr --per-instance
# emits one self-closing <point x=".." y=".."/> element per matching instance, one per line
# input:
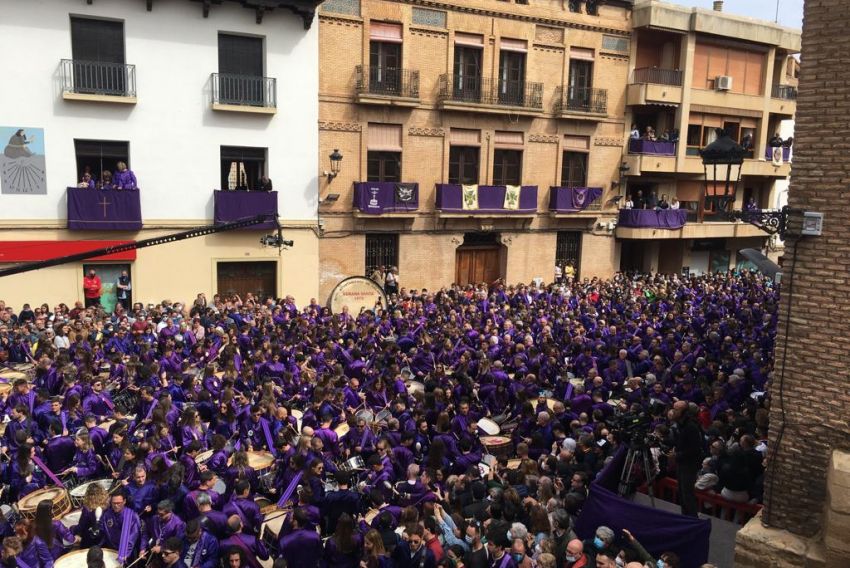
<point x="268" y="435"/>
<point x="20" y="562"/>
<point x="290" y="489"/>
<point x="46" y="470"/>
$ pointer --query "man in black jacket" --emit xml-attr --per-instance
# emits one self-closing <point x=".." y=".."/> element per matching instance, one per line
<point x="688" y="448"/>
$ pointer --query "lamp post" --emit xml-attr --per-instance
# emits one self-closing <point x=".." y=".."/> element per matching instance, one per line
<point x="336" y="164"/>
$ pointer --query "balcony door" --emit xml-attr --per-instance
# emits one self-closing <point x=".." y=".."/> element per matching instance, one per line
<point x="97" y="48"/>
<point x="240" y="68"/>
<point x="467" y="78"/>
<point x="384" y="68"/>
<point x="511" y="77"/>
<point x="580" y="82"/>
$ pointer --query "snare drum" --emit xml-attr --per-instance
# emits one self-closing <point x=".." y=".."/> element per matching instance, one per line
<point x="56" y="495"/>
<point x="352" y="464"/>
<point x="265" y="504"/>
<point x="383" y="416"/>
<point x="203" y="457"/>
<point x="77" y="559"/>
<point x="260" y="460"/>
<point x="72" y="519"/>
<point x="489" y="427"/>
<point x="342" y="429"/>
<point x="498" y="445"/>
<point x="78" y="493"/>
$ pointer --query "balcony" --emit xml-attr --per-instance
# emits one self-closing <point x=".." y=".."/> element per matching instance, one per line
<point x="243" y="93"/>
<point x="581" y="103"/>
<point x="564" y="201"/>
<point x="787" y="92"/>
<point x="104" y="209"/>
<point x="652" y="147"/>
<point x="783" y="100"/>
<point x="489" y="95"/>
<point x="778" y="154"/>
<point x="658" y="76"/>
<point x="238" y="205"/>
<point x="99" y="82"/>
<point x="454" y="200"/>
<point x="387" y="86"/>
<point x="654" y="86"/>
<point x="385" y="199"/>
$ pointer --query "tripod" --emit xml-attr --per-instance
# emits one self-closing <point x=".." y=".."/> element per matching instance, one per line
<point x="637" y="455"/>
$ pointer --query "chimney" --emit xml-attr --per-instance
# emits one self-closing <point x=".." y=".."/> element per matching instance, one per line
<point x="718" y="5"/>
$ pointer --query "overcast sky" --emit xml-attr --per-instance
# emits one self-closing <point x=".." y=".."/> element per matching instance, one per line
<point x="790" y="11"/>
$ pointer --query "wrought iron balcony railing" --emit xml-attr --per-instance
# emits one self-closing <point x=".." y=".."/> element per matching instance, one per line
<point x="244" y="90"/>
<point x="491" y="91"/>
<point x="387" y="81"/>
<point x="585" y="99"/>
<point x="98" y="78"/>
<point x="658" y="76"/>
<point x="784" y="92"/>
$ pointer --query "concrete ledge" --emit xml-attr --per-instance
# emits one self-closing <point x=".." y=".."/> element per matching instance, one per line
<point x="115" y="99"/>
<point x="757" y="546"/>
<point x="244" y="108"/>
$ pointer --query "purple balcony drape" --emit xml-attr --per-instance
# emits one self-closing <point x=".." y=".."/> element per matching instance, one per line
<point x="491" y="199"/>
<point x="657" y="147"/>
<point x="651" y="219"/>
<point x="239" y="205"/>
<point x="572" y="199"/>
<point x="786" y="153"/>
<point x="380" y="197"/>
<point x="104" y="209"/>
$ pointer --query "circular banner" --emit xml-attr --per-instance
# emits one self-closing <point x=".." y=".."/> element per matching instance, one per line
<point x="357" y="292"/>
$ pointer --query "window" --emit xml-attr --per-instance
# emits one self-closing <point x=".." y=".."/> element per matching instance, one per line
<point x="507" y="167"/>
<point x="467" y="79"/>
<point x="568" y="249"/>
<point x="463" y="164"/>
<point x="97" y="48"/>
<point x="242" y="167"/>
<point x="574" y="170"/>
<point x="97" y="156"/>
<point x="511" y="77"/>
<point x="240" y="69"/>
<point x="385" y="67"/>
<point x="383" y="166"/>
<point x="381" y="250"/>
<point x="580" y="81"/>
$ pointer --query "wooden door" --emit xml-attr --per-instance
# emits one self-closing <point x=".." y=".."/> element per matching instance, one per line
<point x="259" y="278"/>
<point x="475" y="265"/>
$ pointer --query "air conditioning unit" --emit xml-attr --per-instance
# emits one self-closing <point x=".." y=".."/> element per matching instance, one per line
<point x="723" y="83"/>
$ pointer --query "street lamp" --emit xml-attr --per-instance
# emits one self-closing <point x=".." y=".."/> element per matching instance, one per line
<point x="722" y="161"/>
<point x="336" y="164"/>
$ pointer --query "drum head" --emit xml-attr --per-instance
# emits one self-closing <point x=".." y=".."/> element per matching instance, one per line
<point x="366" y="415"/>
<point x="204" y="456"/>
<point x="80" y="490"/>
<point x="11" y="375"/>
<point x="260" y="460"/>
<point x="488" y="426"/>
<point x="274" y="525"/>
<point x="32" y="500"/>
<point x="72" y="519"/>
<point x="495" y="440"/>
<point x="514" y="464"/>
<point x="220" y="486"/>
<point x="77" y="559"/>
<point x="370" y="516"/>
<point x="414" y="387"/>
<point x="342" y="429"/>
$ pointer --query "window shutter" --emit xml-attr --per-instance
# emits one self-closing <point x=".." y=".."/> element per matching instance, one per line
<point x="386" y="32"/>
<point x="240" y="55"/>
<point x="384" y="137"/>
<point x="97" y="40"/>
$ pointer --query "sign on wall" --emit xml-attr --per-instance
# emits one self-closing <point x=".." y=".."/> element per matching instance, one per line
<point x="22" y="162"/>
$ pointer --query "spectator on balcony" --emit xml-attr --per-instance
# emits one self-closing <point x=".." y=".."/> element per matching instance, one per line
<point x="674" y="204"/>
<point x="106" y="180"/>
<point x="788" y="142"/>
<point x="663" y="204"/>
<point x="751" y="205"/>
<point x="265" y="184"/>
<point x="635" y="134"/>
<point x="776" y="141"/>
<point x="125" y="178"/>
<point x="629" y="204"/>
<point x="651" y="201"/>
<point x="649" y="134"/>
<point x="747" y="141"/>
<point x="86" y="182"/>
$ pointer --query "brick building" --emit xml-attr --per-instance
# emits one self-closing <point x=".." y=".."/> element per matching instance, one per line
<point x="474" y="92"/>
<point x="692" y="71"/>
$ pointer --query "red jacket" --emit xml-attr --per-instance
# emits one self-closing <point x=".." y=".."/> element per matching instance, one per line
<point x="91" y="287"/>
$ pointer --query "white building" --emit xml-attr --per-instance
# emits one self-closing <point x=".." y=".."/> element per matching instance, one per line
<point x="193" y="96"/>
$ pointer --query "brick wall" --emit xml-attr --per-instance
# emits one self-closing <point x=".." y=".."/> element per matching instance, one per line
<point x="816" y="395"/>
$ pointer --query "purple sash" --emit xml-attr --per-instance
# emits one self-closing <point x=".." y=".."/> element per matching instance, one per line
<point x="268" y="435"/>
<point x="251" y="557"/>
<point x="46" y="470"/>
<point x="64" y="417"/>
<point x="21" y="563"/>
<point x="124" y="545"/>
<point x="150" y="410"/>
<point x="290" y="490"/>
<point x="569" y="394"/>
<point x="106" y="401"/>
<point x="31" y="400"/>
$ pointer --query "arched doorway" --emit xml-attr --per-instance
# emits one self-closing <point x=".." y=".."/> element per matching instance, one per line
<point x="481" y="258"/>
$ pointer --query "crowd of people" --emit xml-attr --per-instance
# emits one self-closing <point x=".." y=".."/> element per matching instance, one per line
<point x="650" y="201"/>
<point x="457" y="428"/>
<point x="124" y="178"/>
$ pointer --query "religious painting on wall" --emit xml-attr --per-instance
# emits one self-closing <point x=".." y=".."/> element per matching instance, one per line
<point x="22" y="163"/>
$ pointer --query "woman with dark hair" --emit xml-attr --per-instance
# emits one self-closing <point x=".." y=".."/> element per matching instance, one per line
<point x="35" y="553"/>
<point x="24" y="476"/>
<point x="342" y="550"/>
<point x="191" y="429"/>
<point x="85" y="465"/>
<point x="53" y="533"/>
<point x="239" y="469"/>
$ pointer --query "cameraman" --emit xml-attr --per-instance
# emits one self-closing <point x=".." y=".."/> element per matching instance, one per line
<point x="688" y="452"/>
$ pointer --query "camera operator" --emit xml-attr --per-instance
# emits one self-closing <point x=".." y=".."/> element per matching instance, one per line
<point x="688" y="451"/>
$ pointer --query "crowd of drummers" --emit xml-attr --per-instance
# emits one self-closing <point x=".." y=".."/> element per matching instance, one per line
<point x="455" y="428"/>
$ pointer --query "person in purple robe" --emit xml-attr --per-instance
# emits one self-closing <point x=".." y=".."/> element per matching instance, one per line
<point x="141" y="493"/>
<point x="243" y="505"/>
<point x="60" y="450"/>
<point x="55" y="535"/>
<point x="35" y="553"/>
<point x="200" y="547"/>
<point x="85" y="464"/>
<point x="302" y="546"/>
<point x="252" y="548"/>
<point x="124" y="177"/>
<point x="98" y="402"/>
<point x="122" y="529"/>
<point x="164" y="526"/>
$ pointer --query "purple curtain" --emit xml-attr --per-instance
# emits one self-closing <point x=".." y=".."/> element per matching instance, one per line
<point x="657" y="147"/>
<point x="571" y="199"/>
<point x="786" y="153"/>
<point x="104" y="209"/>
<point x="652" y="219"/>
<point x="658" y="531"/>
<point x="239" y="205"/>
<point x="379" y="197"/>
<point x="491" y="199"/>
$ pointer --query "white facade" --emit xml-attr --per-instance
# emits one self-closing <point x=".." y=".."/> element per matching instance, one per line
<point x="173" y="134"/>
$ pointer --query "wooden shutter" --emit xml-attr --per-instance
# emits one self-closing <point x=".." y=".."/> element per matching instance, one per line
<point x="700" y="67"/>
<point x="504" y="139"/>
<point x="97" y="40"/>
<point x="465" y="137"/>
<point x="240" y="55"/>
<point x="385" y="137"/>
<point x="385" y="32"/>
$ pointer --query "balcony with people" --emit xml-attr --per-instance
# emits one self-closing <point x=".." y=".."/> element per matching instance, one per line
<point x="245" y="191"/>
<point x="101" y="200"/>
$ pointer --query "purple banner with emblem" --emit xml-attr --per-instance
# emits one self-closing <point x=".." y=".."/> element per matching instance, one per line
<point x="572" y="199"/>
<point x="380" y="197"/>
<point x="653" y="219"/>
<point x="240" y="205"/>
<point x="491" y="199"/>
<point x="104" y="209"/>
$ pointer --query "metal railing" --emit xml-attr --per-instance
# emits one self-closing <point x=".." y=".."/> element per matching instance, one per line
<point x="788" y="92"/>
<point x="658" y="76"/>
<point x="387" y="81"/>
<point x="244" y="90"/>
<point x="573" y="99"/>
<point x="491" y="91"/>
<point x="98" y="78"/>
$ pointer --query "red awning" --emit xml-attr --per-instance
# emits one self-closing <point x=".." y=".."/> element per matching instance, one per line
<point x="31" y="251"/>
